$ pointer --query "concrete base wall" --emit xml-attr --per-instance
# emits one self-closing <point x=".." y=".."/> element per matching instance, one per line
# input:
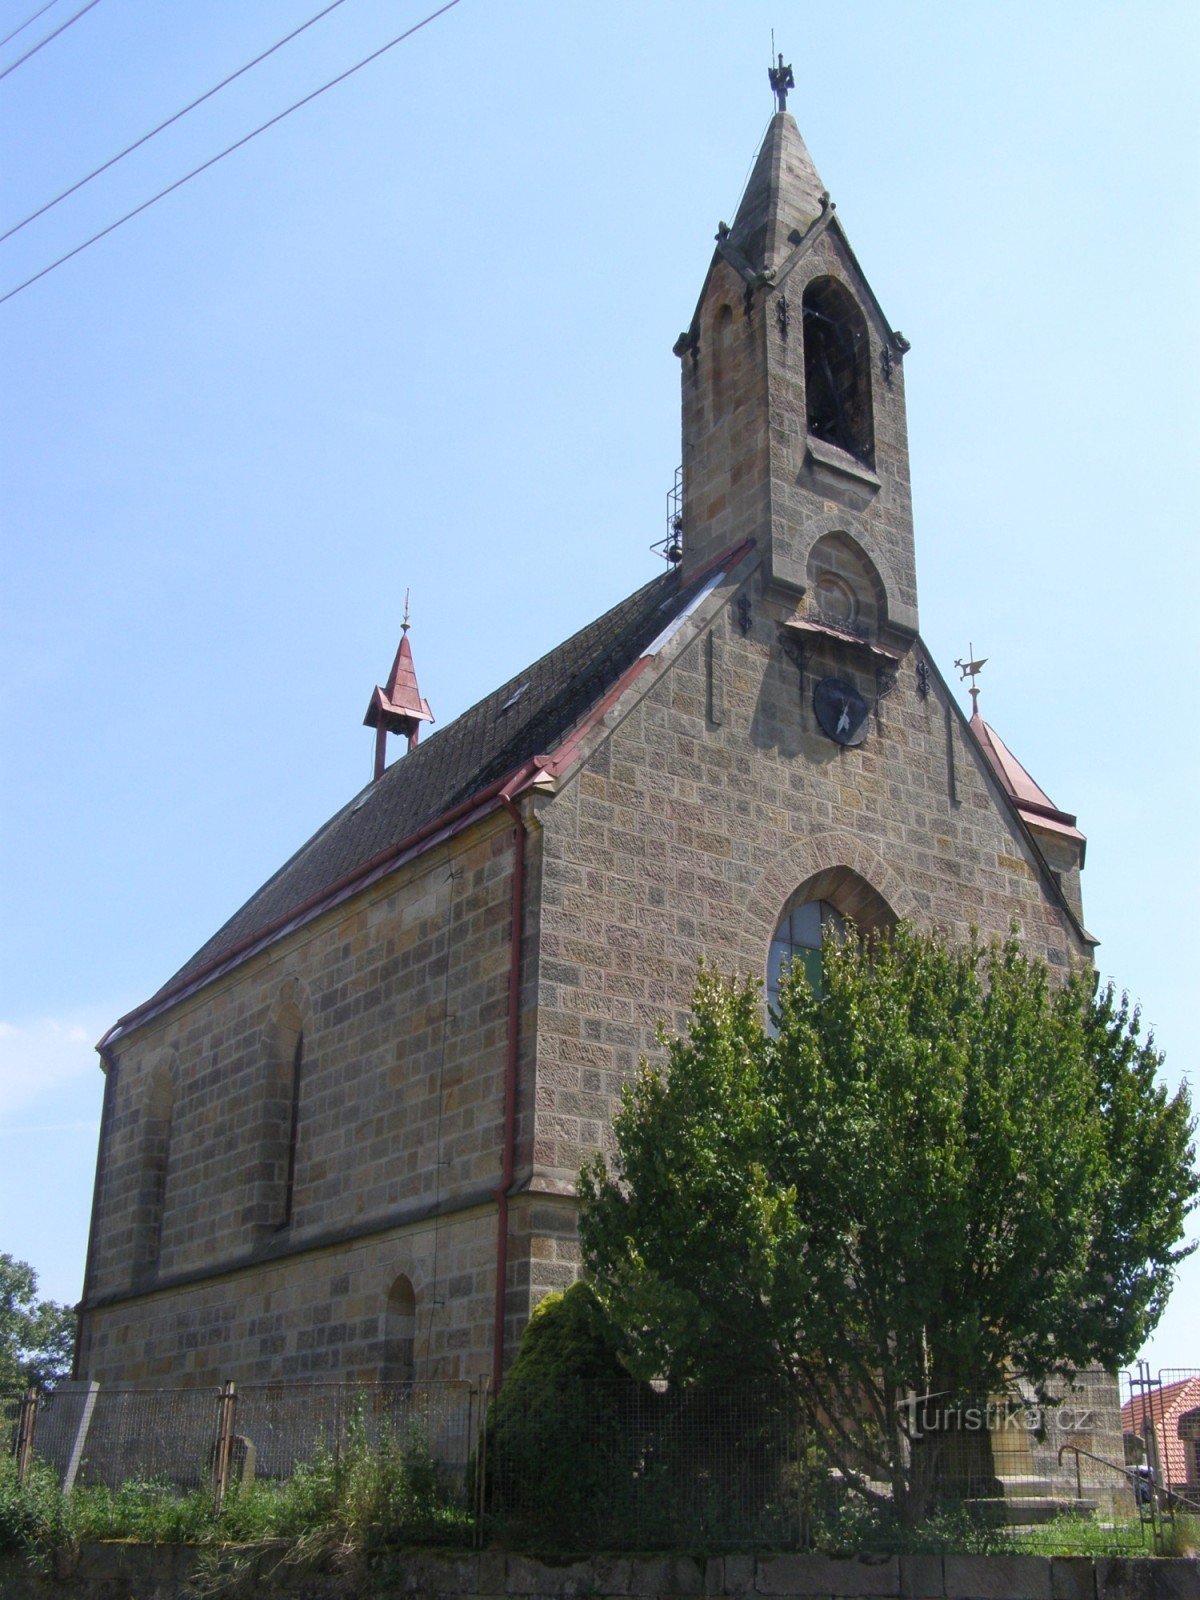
<point x="141" y="1572"/>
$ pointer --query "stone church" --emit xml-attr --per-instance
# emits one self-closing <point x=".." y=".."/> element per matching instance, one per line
<point x="342" y="1140"/>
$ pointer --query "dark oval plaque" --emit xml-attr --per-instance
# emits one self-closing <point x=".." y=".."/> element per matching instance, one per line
<point x="841" y="711"/>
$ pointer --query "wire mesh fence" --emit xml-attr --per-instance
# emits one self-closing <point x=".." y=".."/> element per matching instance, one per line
<point x="620" y="1466"/>
<point x="631" y="1466"/>
<point x="1161" y="1436"/>
<point x="92" y="1434"/>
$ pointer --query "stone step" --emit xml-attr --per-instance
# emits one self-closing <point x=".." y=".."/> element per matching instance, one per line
<point x="1028" y="1510"/>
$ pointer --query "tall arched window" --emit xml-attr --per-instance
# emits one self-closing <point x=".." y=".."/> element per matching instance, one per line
<point x="722" y="361"/>
<point x="289" y="1181"/>
<point x="799" y="938"/>
<point x="837" y="369"/>
<point x="154" y="1157"/>
<point x="399" y="1332"/>
<point x="278" y="1136"/>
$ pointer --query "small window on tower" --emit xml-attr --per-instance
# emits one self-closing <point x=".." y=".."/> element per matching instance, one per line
<point x="837" y="370"/>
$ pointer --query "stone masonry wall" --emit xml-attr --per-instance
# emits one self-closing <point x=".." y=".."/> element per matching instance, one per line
<point x="142" y="1572"/>
<point x="400" y="1121"/>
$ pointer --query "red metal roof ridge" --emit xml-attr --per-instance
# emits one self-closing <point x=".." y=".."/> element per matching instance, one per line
<point x="1004" y="763"/>
<point x="403" y="692"/>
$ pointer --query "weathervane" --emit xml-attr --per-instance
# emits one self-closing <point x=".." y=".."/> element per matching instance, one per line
<point x="781" y="81"/>
<point x="405" y="625"/>
<point x="971" y="669"/>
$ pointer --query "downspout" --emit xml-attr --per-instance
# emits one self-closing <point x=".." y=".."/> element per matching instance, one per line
<point x="109" y="1060"/>
<point x="510" y="1086"/>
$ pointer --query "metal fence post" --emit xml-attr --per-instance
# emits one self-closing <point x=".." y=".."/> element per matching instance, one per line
<point x="26" y="1425"/>
<point x="481" y="1455"/>
<point x="223" y="1450"/>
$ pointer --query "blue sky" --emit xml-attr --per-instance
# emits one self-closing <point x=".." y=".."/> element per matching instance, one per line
<point x="420" y="335"/>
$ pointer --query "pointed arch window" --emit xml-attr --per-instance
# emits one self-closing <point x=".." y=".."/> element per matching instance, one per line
<point x="722" y="362"/>
<point x="799" y="938"/>
<point x="837" y="370"/>
<point x="289" y="1180"/>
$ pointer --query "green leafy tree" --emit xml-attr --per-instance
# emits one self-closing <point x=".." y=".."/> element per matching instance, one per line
<point x="37" y="1337"/>
<point x="940" y="1172"/>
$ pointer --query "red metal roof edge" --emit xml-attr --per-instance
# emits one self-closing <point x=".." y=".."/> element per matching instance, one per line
<point x="830" y="631"/>
<point x="1006" y="764"/>
<point x="562" y="757"/>
<point x="510" y="785"/>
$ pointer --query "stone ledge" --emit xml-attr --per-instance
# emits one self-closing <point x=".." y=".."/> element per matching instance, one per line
<point x="165" y="1572"/>
<point x="828" y="1575"/>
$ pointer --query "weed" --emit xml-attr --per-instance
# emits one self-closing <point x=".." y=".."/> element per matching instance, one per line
<point x="1182" y="1537"/>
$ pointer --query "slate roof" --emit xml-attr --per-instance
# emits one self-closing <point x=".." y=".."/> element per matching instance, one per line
<point x="529" y="715"/>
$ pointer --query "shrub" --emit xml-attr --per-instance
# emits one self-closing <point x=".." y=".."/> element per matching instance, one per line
<point x="562" y="1431"/>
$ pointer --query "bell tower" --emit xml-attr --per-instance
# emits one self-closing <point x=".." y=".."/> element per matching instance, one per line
<point x="794" y="430"/>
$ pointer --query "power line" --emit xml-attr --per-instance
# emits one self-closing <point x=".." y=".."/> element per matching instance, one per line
<point x="62" y="28"/>
<point x="21" y="26"/>
<point x="137" y="143"/>
<point x="229" y="149"/>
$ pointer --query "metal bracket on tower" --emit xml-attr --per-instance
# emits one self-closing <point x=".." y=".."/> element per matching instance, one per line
<point x="794" y="651"/>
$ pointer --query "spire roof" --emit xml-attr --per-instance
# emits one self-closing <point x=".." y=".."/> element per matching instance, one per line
<point x="782" y="197"/>
<point x="399" y="704"/>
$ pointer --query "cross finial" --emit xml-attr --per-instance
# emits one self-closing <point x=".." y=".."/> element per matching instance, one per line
<point x="405" y="625"/>
<point x="970" y="668"/>
<point x="781" y="81"/>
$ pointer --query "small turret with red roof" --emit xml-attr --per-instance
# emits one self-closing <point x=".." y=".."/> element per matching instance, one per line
<point x="399" y="706"/>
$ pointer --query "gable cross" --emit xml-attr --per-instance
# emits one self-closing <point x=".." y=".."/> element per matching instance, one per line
<point x="781" y="81"/>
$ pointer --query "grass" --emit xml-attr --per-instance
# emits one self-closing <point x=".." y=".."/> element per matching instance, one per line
<point x="349" y="1512"/>
<point x="332" y="1511"/>
<point x="954" y="1531"/>
<point x="1182" y="1537"/>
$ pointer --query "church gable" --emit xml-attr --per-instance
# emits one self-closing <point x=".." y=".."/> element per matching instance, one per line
<point x="716" y="802"/>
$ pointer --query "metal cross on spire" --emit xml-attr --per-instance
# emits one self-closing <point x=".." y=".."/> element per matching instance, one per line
<point x="781" y="81"/>
<point x="970" y="668"/>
